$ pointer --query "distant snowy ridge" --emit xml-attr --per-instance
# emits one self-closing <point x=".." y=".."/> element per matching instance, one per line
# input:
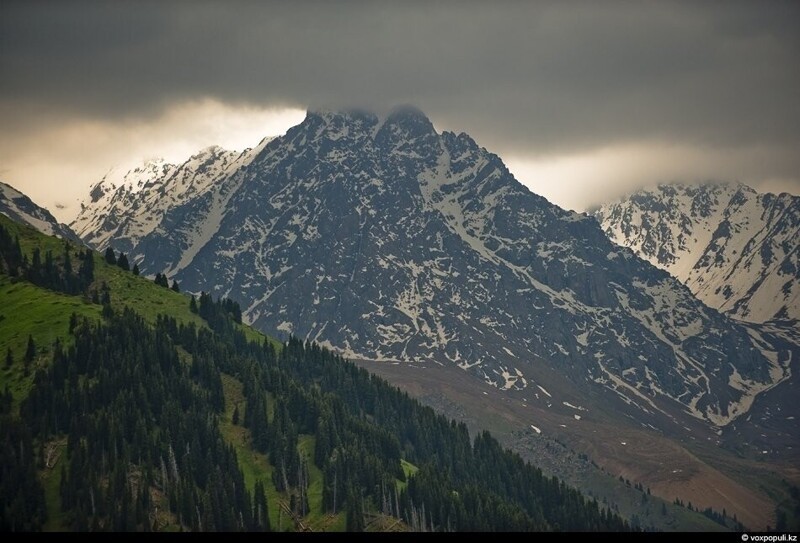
<point x="737" y="250"/>
<point x="17" y="206"/>
<point x="128" y="205"/>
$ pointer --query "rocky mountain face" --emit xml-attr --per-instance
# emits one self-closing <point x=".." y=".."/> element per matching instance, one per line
<point x="18" y="207"/>
<point x="127" y="206"/>
<point x="737" y="250"/>
<point x="390" y="241"/>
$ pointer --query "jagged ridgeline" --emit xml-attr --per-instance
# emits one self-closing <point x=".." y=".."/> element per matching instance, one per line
<point x="127" y="418"/>
<point x="390" y="241"/>
<point x="736" y="249"/>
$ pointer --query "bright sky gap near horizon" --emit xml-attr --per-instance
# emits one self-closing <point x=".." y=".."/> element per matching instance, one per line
<point x="583" y="101"/>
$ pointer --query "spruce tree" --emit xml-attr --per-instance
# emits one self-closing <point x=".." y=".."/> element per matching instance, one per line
<point x="122" y="262"/>
<point x="69" y="278"/>
<point x="30" y="354"/>
<point x="110" y="256"/>
<point x="106" y="297"/>
<point x="30" y="351"/>
<point x="86" y="271"/>
<point x="161" y="280"/>
<point x="136" y="269"/>
<point x="355" y="513"/>
<point x="261" y="510"/>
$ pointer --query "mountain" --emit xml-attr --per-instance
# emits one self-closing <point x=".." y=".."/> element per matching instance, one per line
<point x="736" y="249"/>
<point x="389" y="241"/>
<point x="127" y="206"/>
<point x="17" y="206"/>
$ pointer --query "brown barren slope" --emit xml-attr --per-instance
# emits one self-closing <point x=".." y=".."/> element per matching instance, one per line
<point x="690" y="465"/>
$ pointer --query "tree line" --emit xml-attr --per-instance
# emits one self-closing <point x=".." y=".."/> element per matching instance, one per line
<point x="363" y="427"/>
<point x="55" y="272"/>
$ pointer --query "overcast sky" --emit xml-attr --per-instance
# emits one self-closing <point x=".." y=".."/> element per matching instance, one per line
<point x="583" y="100"/>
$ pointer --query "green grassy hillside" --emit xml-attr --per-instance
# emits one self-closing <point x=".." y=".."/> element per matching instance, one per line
<point x="27" y="309"/>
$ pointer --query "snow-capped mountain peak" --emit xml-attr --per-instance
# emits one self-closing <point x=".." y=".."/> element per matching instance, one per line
<point x="390" y="241"/>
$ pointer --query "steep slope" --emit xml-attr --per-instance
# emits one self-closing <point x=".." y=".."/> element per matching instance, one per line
<point x="17" y="206"/>
<point x="737" y="250"/>
<point x="126" y="206"/>
<point x="389" y="241"/>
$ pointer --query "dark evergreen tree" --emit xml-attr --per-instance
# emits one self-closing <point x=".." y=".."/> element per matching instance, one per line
<point x="175" y="286"/>
<point x="354" y="521"/>
<point x="73" y="322"/>
<point x="22" y="503"/>
<point x="69" y="280"/>
<point x="105" y="296"/>
<point x="122" y="262"/>
<point x="161" y="280"/>
<point x="110" y="256"/>
<point x="136" y="269"/>
<point x="11" y="257"/>
<point x="86" y="271"/>
<point x="30" y="354"/>
<point x="34" y="272"/>
<point x="261" y="521"/>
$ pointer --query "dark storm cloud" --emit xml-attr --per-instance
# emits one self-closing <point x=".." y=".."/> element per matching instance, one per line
<point x="527" y="76"/>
